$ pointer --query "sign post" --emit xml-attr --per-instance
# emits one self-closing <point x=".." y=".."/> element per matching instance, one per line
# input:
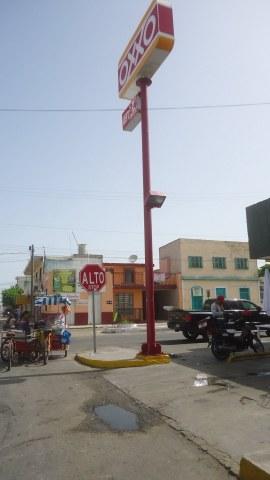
<point x="149" y="46"/>
<point x="92" y="278"/>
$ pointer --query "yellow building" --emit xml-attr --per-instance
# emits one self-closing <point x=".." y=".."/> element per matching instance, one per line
<point x="208" y="268"/>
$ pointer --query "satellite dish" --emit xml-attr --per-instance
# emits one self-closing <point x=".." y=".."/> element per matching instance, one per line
<point x="133" y="258"/>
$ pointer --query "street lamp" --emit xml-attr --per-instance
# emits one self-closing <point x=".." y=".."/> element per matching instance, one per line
<point x="155" y="200"/>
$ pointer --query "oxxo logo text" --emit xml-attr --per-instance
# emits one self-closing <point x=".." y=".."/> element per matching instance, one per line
<point x="138" y="48"/>
<point x="133" y="108"/>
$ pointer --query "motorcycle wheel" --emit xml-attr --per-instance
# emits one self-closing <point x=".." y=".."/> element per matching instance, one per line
<point x="190" y="334"/>
<point x="220" y="355"/>
<point x="257" y="345"/>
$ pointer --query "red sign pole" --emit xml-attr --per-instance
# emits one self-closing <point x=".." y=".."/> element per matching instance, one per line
<point x="151" y="347"/>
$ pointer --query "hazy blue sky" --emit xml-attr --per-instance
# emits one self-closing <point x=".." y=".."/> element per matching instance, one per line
<point x="78" y="171"/>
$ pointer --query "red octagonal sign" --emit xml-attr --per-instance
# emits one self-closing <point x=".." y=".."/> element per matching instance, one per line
<point x="92" y="277"/>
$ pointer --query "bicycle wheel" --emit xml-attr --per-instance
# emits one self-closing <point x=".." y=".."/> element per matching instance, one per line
<point x="11" y="354"/>
<point x="5" y="351"/>
<point x="45" y="352"/>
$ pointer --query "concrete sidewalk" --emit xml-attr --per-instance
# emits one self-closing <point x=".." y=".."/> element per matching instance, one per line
<point x="227" y="416"/>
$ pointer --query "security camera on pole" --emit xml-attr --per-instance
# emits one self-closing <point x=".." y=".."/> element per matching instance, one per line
<point x="92" y="278"/>
<point x="149" y="46"/>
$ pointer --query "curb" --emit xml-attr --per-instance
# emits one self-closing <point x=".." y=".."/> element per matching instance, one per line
<point x="119" y="326"/>
<point x="247" y="356"/>
<point x="255" y="466"/>
<point x="138" y="361"/>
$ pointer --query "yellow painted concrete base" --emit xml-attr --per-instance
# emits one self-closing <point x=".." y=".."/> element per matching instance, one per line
<point x="255" y="467"/>
<point x="138" y="361"/>
<point x="236" y="357"/>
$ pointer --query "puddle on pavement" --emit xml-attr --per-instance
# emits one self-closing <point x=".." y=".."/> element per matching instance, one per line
<point x="117" y="418"/>
<point x="203" y="380"/>
<point x="259" y="374"/>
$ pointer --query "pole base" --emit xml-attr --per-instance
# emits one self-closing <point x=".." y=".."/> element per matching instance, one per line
<point x="151" y="349"/>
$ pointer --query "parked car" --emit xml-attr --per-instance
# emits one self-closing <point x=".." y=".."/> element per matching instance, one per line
<point x="235" y="309"/>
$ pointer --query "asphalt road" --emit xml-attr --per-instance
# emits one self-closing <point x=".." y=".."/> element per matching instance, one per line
<point x="50" y="430"/>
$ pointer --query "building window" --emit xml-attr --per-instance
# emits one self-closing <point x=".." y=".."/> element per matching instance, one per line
<point x="241" y="263"/>
<point x="221" y="291"/>
<point x="124" y="301"/>
<point x="129" y="276"/>
<point x="195" y="262"/>
<point x="244" y="293"/>
<point x="219" y="262"/>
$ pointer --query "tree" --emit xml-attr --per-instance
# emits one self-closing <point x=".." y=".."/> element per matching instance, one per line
<point x="261" y="270"/>
<point x="9" y="296"/>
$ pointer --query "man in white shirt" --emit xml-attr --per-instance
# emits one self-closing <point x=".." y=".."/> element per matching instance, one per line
<point x="217" y="307"/>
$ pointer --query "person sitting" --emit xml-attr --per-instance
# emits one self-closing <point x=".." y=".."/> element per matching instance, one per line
<point x="24" y="323"/>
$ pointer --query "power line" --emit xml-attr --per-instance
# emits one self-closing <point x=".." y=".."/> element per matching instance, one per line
<point x="14" y="253"/>
<point x="171" y="196"/>
<point x="111" y="110"/>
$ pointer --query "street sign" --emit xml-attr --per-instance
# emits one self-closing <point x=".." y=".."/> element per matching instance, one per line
<point x="131" y="117"/>
<point x="92" y="277"/>
<point x="150" y="45"/>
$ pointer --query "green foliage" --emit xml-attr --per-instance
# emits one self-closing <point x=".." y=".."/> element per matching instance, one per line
<point x="261" y="270"/>
<point x="9" y="296"/>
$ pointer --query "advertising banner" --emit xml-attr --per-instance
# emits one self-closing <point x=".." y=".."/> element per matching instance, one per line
<point x="64" y="281"/>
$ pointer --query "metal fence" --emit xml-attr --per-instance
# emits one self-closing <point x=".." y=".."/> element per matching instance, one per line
<point x="128" y="315"/>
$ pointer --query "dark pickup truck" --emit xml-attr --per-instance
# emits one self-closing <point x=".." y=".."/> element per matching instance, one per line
<point x="234" y="309"/>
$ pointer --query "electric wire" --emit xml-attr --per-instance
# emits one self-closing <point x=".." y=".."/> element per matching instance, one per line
<point x="116" y="109"/>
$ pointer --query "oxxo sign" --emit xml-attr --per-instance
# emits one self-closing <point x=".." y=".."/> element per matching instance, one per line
<point x="131" y="117"/>
<point x="92" y="277"/>
<point x="148" y="48"/>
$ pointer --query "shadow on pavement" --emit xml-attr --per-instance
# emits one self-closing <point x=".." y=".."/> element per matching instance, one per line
<point x="11" y="380"/>
<point x="250" y="373"/>
<point x="182" y="341"/>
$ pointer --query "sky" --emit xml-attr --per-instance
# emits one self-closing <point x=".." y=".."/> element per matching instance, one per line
<point x="64" y="169"/>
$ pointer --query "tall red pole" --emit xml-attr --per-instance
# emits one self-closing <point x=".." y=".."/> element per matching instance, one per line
<point x="151" y="347"/>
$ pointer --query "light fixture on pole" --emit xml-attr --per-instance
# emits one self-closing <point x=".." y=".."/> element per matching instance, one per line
<point x="155" y="200"/>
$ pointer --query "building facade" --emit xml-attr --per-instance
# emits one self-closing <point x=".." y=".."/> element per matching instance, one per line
<point x="125" y="296"/>
<point x="55" y="275"/>
<point x="208" y="268"/>
<point x="123" y="299"/>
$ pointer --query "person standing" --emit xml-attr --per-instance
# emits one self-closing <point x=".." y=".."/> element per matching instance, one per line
<point x="217" y="307"/>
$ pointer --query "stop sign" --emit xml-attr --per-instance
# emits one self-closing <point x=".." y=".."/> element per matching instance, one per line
<point x="92" y="277"/>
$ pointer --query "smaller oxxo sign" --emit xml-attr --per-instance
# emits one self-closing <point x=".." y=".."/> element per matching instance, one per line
<point x="150" y="45"/>
<point x="92" y="277"/>
<point x="131" y="117"/>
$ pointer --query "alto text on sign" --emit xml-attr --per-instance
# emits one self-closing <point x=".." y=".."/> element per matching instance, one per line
<point x="92" y="277"/>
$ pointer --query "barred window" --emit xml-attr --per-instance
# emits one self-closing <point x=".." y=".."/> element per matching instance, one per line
<point x="241" y="263"/>
<point x="195" y="262"/>
<point x="219" y="262"/>
<point x="124" y="300"/>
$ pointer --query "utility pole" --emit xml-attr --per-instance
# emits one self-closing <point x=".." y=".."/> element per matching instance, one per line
<point x="31" y="248"/>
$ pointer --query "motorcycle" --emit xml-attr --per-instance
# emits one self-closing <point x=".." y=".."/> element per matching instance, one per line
<point x="226" y="337"/>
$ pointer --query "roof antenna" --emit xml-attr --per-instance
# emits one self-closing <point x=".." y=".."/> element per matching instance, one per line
<point x="75" y="238"/>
